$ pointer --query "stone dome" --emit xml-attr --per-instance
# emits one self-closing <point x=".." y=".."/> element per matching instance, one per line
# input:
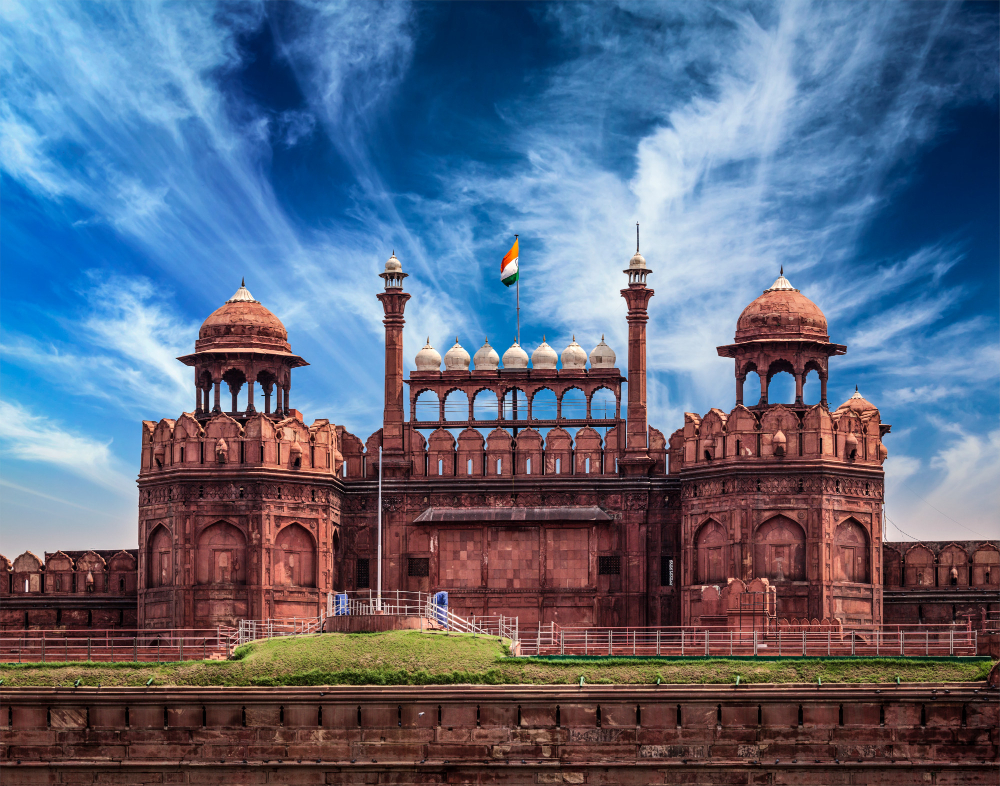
<point x="486" y="358"/>
<point x="637" y="261"/>
<point x="782" y="312"/>
<point x="428" y="358"/>
<point x="393" y="265"/>
<point x="544" y="357"/>
<point x="456" y="358"/>
<point x="242" y="323"/>
<point x="602" y="356"/>
<point x="515" y="357"/>
<point x="574" y="356"/>
<point x="857" y="403"/>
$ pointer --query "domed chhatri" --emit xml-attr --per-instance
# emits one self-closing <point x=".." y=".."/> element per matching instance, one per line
<point x="515" y="357"/>
<point x="544" y="357"/>
<point x="428" y="358"/>
<point x="857" y="403"/>
<point x="242" y="323"/>
<point x="782" y="312"/>
<point x="393" y="265"/>
<point x="456" y="358"/>
<point x="574" y="356"/>
<point x="486" y="358"/>
<point x="602" y="356"/>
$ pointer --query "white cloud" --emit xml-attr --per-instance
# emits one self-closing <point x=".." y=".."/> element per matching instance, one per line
<point x="28" y="437"/>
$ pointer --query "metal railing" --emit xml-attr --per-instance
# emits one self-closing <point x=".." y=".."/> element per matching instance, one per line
<point x="941" y="640"/>
<point x="115" y="646"/>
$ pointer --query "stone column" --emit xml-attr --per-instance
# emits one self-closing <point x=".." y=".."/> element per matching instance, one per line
<point x="636" y="460"/>
<point x="393" y="301"/>
<point x="799" y="382"/>
<point x="822" y="390"/>
<point x="218" y="396"/>
<point x="250" y="394"/>
<point x="763" y="389"/>
<point x="739" y="389"/>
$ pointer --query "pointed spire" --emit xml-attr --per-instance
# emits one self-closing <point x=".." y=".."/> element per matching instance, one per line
<point x="243" y="281"/>
<point x="637" y="237"/>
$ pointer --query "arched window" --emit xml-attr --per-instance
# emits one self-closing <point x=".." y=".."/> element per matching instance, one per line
<point x="294" y="557"/>
<point x="710" y="554"/>
<point x="221" y="556"/>
<point x="159" y="570"/>
<point x="779" y="550"/>
<point x="850" y="545"/>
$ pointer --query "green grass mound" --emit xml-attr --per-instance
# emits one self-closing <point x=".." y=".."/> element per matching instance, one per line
<point x="419" y="658"/>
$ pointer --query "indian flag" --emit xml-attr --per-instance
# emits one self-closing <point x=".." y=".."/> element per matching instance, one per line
<point x="508" y="268"/>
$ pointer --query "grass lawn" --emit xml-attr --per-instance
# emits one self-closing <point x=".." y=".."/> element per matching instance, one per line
<point x="417" y="658"/>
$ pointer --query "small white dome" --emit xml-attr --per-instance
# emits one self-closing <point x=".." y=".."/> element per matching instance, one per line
<point x="393" y="265"/>
<point x="515" y="357"/>
<point x="637" y="261"/>
<point x="544" y="357"/>
<point x="781" y="284"/>
<point x="602" y="356"/>
<point x="428" y="358"/>
<point x="456" y="358"/>
<point x="486" y="358"/>
<point x="574" y="356"/>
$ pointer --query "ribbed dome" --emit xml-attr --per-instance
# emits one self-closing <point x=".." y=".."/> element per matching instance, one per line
<point x="515" y="357"/>
<point x="637" y="261"/>
<point x="486" y="358"/>
<point x="544" y="357"/>
<point x="602" y="356"/>
<point x="456" y="358"/>
<point x="782" y="312"/>
<point x="242" y="323"/>
<point x="428" y="358"/>
<point x="574" y="356"/>
<point x="857" y="403"/>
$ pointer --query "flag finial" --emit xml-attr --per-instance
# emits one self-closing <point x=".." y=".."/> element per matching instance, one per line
<point x="637" y="237"/>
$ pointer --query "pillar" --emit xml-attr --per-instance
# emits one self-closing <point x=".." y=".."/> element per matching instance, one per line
<point x="393" y="301"/>
<point x="288" y="390"/>
<point x="636" y="460"/>
<point x="250" y="394"/>
<point x="218" y="396"/>
<point x="739" y="389"/>
<point x="822" y="390"/>
<point x="763" y="390"/>
<point x="799" y="382"/>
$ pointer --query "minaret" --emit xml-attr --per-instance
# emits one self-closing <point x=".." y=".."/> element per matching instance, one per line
<point x="393" y="303"/>
<point x="636" y="460"/>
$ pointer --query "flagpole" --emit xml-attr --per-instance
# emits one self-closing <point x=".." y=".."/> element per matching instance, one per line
<point x="517" y="285"/>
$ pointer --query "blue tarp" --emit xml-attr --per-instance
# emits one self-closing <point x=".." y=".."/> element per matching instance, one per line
<point x="441" y="608"/>
<point x="340" y="608"/>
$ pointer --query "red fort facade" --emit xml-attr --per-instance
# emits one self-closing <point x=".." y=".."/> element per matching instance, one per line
<point x="522" y="486"/>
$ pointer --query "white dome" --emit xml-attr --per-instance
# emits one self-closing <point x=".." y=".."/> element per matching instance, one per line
<point x="515" y="357"/>
<point x="637" y="261"/>
<point x="486" y="358"/>
<point x="602" y="356"/>
<point x="428" y="358"/>
<point x="544" y="357"/>
<point x="574" y="356"/>
<point x="456" y="358"/>
<point x="393" y="265"/>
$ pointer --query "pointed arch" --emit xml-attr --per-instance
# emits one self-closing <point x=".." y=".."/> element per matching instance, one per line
<point x="221" y="555"/>
<point x="710" y="545"/>
<point x="294" y="557"/>
<point x="779" y="550"/>
<point x="159" y="568"/>
<point x="851" y="554"/>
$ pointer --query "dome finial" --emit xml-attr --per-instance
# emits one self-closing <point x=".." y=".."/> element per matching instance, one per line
<point x="637" y="237"/>
<point x="243" y="281"/>
<point x="781" y="270"/>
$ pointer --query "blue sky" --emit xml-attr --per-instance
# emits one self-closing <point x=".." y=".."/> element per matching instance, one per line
<point x="151" y="155"/>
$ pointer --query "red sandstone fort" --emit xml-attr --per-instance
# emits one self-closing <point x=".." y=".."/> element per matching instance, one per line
<point x="524" y="486"/>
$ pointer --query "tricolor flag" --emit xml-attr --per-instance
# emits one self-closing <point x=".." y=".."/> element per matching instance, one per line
<point x="508" y="268"/>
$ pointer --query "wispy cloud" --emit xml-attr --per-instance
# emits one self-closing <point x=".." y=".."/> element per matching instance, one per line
<point x="26" y="436"/>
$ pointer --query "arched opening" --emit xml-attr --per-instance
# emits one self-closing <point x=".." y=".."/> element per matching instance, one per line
<point x="427" y="406"/>
<point x="851" y="556"/>
<point x="710" y="554"/>
<point x="918" y="570"/>
<point x="267" y="382"/>
<point x="221" y="555"/>
<point x="456" y="405"/>
<point x="159" y="572"/>
<point x="484" y="405"/>
<point x="779" y="550"/>
<point x="543" y="405"/>
<point x="603" y="404"/>
<point x="294" y="557"/>
<point x="235" y="380"/>
<point x="515" y="405"/>
<point x="749" y="392"/>
<point x="781" y="383"/>
<point x="574" y="404"/>
<point x="811" y="385"/>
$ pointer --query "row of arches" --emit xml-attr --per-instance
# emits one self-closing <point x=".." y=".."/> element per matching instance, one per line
<point x="65" y="573"/>
<point x="221" y="557"/>
<point x="273" y="381"/>
<point x="488" y="404"/>
<point x="952" y="566"/>
<point x="782" y="383"/>
<point x="779" y="552"/>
